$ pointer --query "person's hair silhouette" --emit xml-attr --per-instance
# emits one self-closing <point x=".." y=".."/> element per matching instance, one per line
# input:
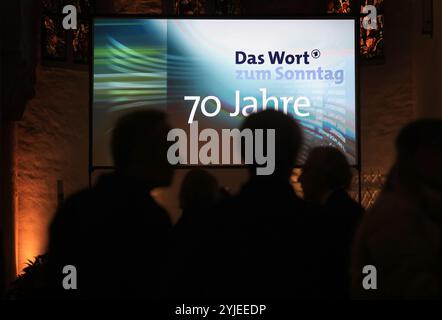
<point x="288" y="139"/>
<point x="198" y="195"/>
<point x="109" y="229"/>
<point x="139" y="147"/>
<point x="325" y="179"/>
<point x="401" y="234"/>
<point x="325" y="170"/>
<point x="419" y="155"/>
<point x="265" y="228"/>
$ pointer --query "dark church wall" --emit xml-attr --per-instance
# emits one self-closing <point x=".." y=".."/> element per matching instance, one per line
<point x="427" y="63"/>
<point x="19" y="20"/>
<point x="387" y="89"/>
<point x="52" y="136"/>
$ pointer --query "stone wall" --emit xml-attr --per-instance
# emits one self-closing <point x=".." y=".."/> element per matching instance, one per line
<point x="51" y="144"/>
<point x="427" y="64"/>
<point x="387" y="90"/>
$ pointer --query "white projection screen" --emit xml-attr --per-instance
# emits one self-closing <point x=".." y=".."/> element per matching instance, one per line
<point x="145" y="63"/>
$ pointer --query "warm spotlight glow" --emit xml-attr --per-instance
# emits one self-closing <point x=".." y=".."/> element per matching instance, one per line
<point x="33" y="211"/>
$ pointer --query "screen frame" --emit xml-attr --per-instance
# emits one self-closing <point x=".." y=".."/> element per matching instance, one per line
<point x="356" y="22"/>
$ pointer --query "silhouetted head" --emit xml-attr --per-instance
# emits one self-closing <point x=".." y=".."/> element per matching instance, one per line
<point x="325" y="170"/>
<point x="288" y="139"/>
<point x="419" y="153"/>
<point x="139" y="147"/>
<point x="199" y="189"/>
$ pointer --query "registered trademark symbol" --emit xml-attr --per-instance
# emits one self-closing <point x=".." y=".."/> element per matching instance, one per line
<point x="316" y="54"/>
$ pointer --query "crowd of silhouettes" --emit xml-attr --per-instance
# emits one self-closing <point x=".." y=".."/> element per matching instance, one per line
<point x="264" y="242"/>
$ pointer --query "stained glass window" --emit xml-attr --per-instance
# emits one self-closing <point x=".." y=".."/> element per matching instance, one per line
<point x="80" y="42"/>
<point x="70" y="46"/>
<point x="339" y="6"/>
<point x="372" y="39"/>
<point x="53" y="38"/>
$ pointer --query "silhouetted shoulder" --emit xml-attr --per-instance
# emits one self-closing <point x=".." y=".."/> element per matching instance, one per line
<point x="71" y="214"/>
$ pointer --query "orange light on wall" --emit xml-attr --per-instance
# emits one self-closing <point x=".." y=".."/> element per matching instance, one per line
<point x="33" y="211"/>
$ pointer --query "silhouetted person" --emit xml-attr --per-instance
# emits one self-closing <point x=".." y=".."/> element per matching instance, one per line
<point x="259" y="245"/>
<point x="325" y="179"/>
<point x="115" y="234"/>
<point x="401" y="234"/>
<point x="199" y="192"/>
